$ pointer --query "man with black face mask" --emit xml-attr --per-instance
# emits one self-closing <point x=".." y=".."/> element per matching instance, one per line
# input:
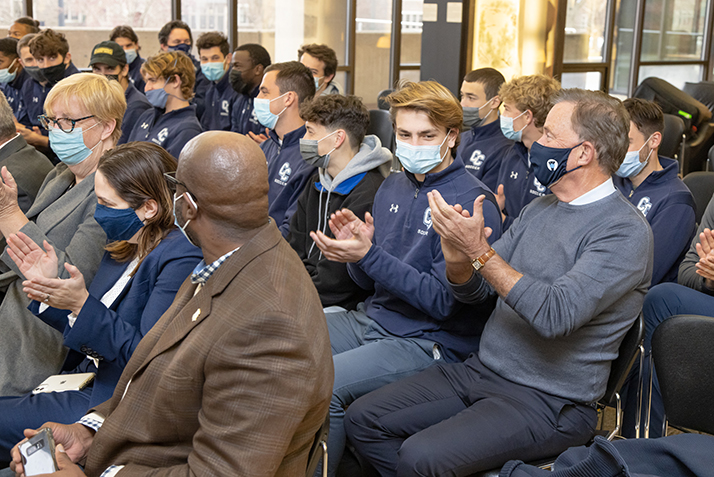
<point x="50" y="50"/>
<point x="109" y="59"/>
<point x="249" y="63"/>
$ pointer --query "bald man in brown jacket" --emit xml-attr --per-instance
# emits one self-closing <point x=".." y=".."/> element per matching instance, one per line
<point x="236" y="376"/>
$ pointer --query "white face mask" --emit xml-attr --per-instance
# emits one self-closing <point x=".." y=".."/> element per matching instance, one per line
<point x="420" y="159"/>
<point x="631" y="165"/>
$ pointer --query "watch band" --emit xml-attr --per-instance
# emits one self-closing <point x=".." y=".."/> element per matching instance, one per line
<point x="479" y="262"/>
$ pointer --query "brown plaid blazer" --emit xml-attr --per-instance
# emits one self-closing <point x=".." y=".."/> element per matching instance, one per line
<point x="234" y="381"/>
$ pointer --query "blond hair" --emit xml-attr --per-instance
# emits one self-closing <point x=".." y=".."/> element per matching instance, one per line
<point x="169" y="64"/>
<point x="432" y="98"/>
<point x="95" y="94"/>
<point x="534" y="93"/>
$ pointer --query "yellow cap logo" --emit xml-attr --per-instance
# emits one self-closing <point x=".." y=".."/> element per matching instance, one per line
<point x="107" y="51"/>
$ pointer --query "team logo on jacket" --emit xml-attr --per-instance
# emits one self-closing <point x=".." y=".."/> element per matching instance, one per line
<point x="284" y="173"/>
<point x="644" y="205"/>
<point x="224" y="108"/>
<point x="144" y="126"/>
<point x="476" y="160"/>
<point x="35" y="100"/>
<point x="539" y="187"/>
<point x="552" y="164"/>
<point x="163" y="134"/>
<point x="394" y="208"/>
<point x="427" y="222"/>
<point x="514" y="175"/>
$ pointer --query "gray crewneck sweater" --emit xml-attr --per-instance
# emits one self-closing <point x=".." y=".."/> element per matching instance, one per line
<point x="586" y="270"/>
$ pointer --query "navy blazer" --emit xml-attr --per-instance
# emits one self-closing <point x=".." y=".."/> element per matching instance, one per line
<point x="111" y="334"/>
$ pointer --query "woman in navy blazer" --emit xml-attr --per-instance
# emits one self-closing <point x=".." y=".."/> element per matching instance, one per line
<point x="140" y="273"/>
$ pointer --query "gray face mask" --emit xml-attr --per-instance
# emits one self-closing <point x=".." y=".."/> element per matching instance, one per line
<point x="308" y="151"/>
<point x="471" y="115"/>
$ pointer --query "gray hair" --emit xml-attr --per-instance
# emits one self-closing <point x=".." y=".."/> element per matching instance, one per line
<point x="7" y="125"/>
<point x="601" y="120"/>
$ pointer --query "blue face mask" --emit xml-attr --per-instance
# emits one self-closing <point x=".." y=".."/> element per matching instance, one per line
<point x="317" y="82"/>
<point x="158" y="97"/>
<point x="176" y="222"/>
<point x="70" y="148"/>
<point x="118" y="224"/>
<point x="5" y="75"/>
<point x="549" y="163"/>
<point x="420" y="159"/>
<point x="213" y="71"/>
<point x="632" y="166"/>
<point x="507" y="128"/>
<point x="261" y="106"/>
<point x="131" y="55"/>
<point x="181" y="47"/>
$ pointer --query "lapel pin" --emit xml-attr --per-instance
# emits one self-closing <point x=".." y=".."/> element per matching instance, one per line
<point x="196" y="315"/>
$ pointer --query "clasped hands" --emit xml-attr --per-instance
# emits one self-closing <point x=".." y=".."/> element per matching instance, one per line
<point x="705" y="249"/>
<point x="40" y="270"/>
<point x="353" y="237"/>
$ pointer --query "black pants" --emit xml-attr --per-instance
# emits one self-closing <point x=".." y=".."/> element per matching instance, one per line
<point x="457" y="419"/>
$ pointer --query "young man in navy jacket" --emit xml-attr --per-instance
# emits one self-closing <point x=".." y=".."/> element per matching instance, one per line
<point x="651" y="184"/>
<point x="125" y="37"/>
<point x="285" y="87"/>
<point x="12" y="74"/>
<point x="249" y="63"/>
<point x="412" y="319"/>
<point x="215" y="56"/>
<point x="172" y="122"/>
<point x="483" y="145"/>
<point x="108" y="59"/>
<point x="50" y="51"/>
<point x="526" y="103"/>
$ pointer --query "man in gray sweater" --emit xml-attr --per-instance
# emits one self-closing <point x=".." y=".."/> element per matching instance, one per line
<point x="571" y="274"/>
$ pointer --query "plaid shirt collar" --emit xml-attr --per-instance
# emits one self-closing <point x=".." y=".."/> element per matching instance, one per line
<point x="203" y="272"/>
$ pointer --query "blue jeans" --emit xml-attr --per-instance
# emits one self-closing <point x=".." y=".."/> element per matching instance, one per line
<point x="366" y="357"/>
<point x="662" y="302"/>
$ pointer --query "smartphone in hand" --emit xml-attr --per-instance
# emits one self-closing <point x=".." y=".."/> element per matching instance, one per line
<point x="38" y="453"/>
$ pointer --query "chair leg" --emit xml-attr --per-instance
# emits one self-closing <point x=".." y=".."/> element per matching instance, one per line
<point x="640" y="379"/>
<point x="618" y="419"/>
<point x="649" y="399"/>
<point x="323" y="444"/>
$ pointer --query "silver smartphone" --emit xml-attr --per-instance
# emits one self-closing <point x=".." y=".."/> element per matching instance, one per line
<point x="38" y="453"/>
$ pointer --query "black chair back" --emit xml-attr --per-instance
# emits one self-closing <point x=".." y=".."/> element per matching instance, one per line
<point x="318" y="450"/>
<point x="701" y="185"/>
<point x="380" y="124"/>
<point x="627" y="355"/>
<point x="672" y="136"/>
<point x="381" y="101"/>
<point x="702" y="92"/>
<point x="684" y="358"/>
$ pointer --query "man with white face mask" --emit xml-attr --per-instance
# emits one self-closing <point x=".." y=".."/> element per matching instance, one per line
<point x="483" y="144"/>
<point x="285" y="87"/>
<point x="651" y="183"/>
<point x="412" y="320"/>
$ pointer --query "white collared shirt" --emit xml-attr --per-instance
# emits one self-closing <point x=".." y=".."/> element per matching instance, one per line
<point x="600" y="192"/>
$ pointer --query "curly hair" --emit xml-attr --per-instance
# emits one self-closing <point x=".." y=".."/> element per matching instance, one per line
<point x="534" y="93"/>
<point x="166" y="65"/>
<point x="49" y="42"/>
<point x="334" y="111"/>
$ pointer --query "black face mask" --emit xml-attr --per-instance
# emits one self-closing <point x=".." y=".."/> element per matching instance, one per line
<point x="54" y="74"/>
<point x="236" y="79"/>
<point x="35" y="73"/>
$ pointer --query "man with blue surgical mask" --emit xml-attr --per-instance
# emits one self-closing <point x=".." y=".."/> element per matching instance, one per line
<point x="322" y="61"/>
<point x="285" y="87"/>
<point x="483" y="145"/>
<point x="125" y="37"/>
<point x="12" y="75"/>
<point x="526" y="102"/>
<point x="215" y="56"/>
<point x="176" y="36"/>
<point x="172" y="121"/>
<point x="651" y="184"/>
<point x="411" y="320"/>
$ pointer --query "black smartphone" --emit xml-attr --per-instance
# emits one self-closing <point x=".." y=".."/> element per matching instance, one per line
<point x="38" y="453"/>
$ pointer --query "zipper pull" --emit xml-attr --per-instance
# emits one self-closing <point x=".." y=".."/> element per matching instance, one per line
<point x="416" y="192"/>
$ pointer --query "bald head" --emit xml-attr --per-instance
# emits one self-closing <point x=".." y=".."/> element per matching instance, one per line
<point x="228" y="174"/>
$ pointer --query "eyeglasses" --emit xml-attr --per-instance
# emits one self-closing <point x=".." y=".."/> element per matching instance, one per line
<point x="66" y="125"/>
<point x="173" y="182"/>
